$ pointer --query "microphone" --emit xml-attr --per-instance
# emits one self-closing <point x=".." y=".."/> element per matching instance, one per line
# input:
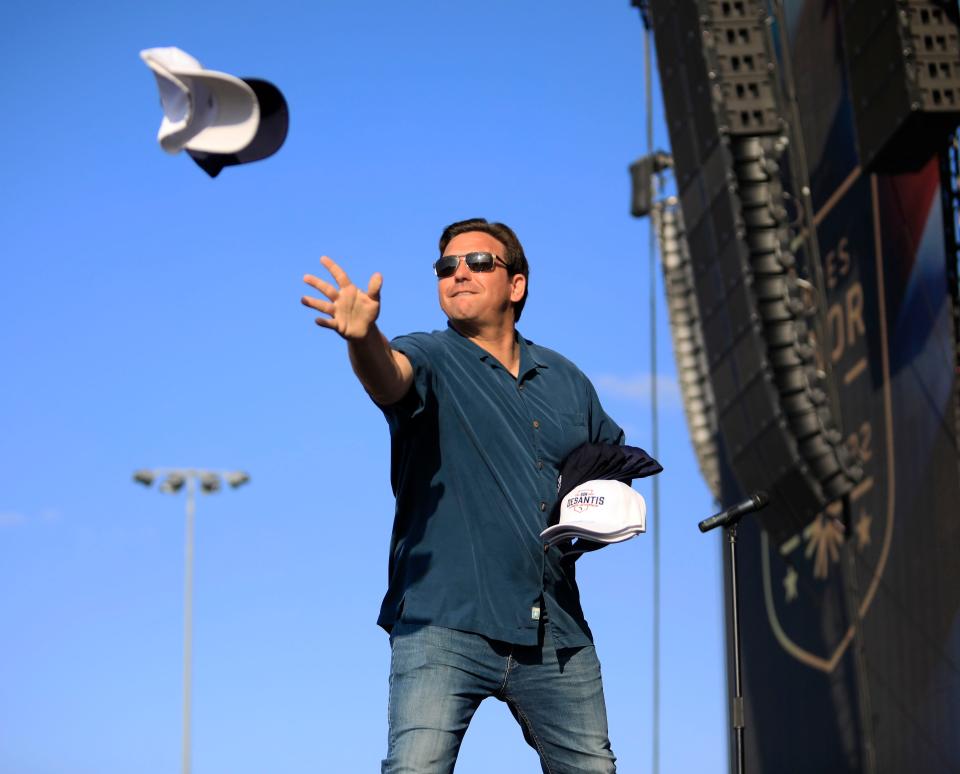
<point x="734" y="513"/>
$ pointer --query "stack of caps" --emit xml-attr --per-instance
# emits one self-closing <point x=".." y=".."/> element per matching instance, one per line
<point x="600" y="511"/>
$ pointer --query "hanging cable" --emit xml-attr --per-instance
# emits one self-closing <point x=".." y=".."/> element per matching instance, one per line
<point x="655" y="424"/>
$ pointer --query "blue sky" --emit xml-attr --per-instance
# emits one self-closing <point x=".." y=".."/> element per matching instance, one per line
<point x="150" y="316"/>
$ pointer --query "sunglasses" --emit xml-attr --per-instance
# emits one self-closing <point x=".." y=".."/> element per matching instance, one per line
<point x="447" y="265"/>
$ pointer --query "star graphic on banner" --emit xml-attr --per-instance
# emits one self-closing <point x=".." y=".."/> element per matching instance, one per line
<point x="863" y="530"/>
<point x="790" y="584"/>
<point x="825" y="538"/>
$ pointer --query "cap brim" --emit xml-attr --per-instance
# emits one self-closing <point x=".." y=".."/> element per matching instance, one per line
<point x="237" y="114"/>
<point x="223" y="112"/>
<point x="588" y="532"/>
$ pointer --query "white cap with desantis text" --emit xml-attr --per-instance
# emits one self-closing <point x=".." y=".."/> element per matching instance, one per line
<point x="203" y="110"/>
<point x="603" y="511"/>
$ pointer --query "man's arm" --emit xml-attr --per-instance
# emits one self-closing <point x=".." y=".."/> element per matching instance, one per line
<point x="385" y="374"/>
<point x="602" y="427"/>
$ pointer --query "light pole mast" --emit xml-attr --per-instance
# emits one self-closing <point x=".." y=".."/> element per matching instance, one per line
<point x="188" y="623"/>
<point x="174" y="479"/>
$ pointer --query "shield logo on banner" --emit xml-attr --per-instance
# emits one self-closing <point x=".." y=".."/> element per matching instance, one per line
<point x="819" y="584"/>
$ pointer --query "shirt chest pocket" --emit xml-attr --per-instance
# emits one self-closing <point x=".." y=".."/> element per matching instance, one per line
<point x="561" y="432"/>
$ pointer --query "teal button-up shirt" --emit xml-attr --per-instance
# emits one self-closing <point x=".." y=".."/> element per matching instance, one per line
<point x="475" y="457"/>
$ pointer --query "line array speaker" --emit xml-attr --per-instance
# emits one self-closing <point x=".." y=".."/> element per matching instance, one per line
<point x="721" y="94"/>
<point x="693" y="370"/>
<point x="903" y="60"/>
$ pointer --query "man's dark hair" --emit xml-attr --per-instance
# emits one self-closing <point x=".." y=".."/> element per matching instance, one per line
<point x="515" y="259"/>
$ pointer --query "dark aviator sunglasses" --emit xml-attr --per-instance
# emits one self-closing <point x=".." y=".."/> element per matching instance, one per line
<point x="447" y="265"/>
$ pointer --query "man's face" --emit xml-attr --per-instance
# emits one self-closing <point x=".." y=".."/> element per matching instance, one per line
<point x="479" y="297"/>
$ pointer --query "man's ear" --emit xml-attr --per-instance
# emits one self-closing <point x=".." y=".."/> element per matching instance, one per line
<point x="518" y="286"/>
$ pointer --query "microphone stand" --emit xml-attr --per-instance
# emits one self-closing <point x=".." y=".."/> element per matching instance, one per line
<point x="738" y="719"/>
<point x="729" y="519"/>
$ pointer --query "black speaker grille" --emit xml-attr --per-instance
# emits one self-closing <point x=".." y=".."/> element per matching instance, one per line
<point x="903" y="58"/>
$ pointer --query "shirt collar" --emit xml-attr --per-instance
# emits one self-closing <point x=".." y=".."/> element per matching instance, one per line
<point x="529" y="356"/>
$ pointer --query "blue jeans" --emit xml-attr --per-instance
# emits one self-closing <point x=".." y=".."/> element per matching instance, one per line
<point x="439" y="676"/>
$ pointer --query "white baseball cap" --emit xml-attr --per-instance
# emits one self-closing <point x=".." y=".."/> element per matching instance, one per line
<point x="603" y="511"/>
<point x="203" y="110"/>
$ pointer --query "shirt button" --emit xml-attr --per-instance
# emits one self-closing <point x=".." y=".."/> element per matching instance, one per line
<point x="536" y="424"/>
<point x="520" y="387"/>
<point x="539" y="464"/>
<point x="543" y="506"/>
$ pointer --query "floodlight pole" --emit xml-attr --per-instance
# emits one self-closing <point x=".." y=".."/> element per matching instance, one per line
<point x="210" y="481"/>
<point x="188" y="621"/>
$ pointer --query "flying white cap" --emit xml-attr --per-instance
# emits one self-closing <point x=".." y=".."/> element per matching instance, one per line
<point x="603" y="511"/>
<point x="203" y="110"/>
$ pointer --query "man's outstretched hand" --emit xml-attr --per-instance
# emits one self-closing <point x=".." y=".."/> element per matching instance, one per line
<point x="385" y="374"/>
<point x="350" y="311"/>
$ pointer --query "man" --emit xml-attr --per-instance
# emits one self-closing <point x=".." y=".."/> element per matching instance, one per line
<point x="480" y="419"/>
